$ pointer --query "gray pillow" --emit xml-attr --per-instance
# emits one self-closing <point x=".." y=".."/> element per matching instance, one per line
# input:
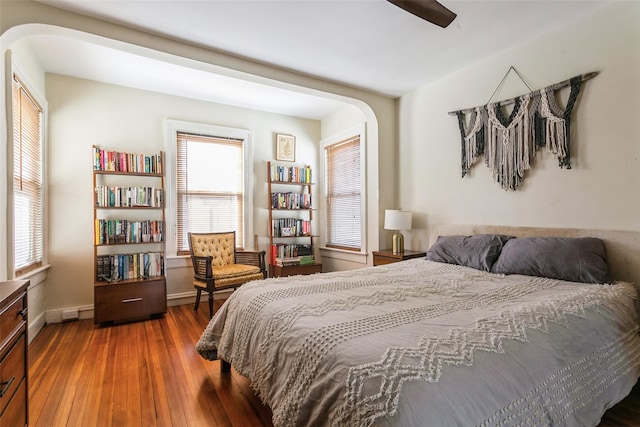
<point x="479" y="251"/>
<point x="578" y="259"/>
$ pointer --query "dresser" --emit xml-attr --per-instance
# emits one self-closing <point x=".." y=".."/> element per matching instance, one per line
<point x="14" y="389"/>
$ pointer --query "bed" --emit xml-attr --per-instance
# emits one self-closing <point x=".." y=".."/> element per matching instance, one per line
<point x="427" y="342"/>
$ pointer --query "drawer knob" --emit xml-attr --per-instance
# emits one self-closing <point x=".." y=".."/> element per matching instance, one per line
<point x="23" y="313"/>
<point x="5" y="386"/>
<point x="131" y="300"/>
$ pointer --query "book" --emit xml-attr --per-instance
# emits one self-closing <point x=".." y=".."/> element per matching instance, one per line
<point x="297" y="260"/>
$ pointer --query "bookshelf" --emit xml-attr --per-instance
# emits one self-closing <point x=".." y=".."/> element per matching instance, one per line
<point x="129" y="235"/>
<point x="291" y="237"/>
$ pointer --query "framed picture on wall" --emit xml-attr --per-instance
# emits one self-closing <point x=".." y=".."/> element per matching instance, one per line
<point x="285" y="147"/>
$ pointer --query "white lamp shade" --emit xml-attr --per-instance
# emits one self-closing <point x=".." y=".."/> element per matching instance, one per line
<point x="397" y="220"/>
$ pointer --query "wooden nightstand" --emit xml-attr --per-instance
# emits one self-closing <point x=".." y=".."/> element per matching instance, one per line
<point x="294" y="270"/>
<point x="386" y="256"/>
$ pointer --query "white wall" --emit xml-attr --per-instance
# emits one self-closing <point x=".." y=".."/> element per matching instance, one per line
<point x="85" y="113"/>
<point x="602" y="190"/>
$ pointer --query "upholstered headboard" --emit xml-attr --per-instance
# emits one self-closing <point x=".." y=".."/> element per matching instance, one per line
<point x="623" y="247"/>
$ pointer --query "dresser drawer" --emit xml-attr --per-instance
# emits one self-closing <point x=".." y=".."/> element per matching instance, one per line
<point x="12" y="318"/>
<point x="12" y="372"/>
<point x="129" y="300"/>
<point x="13" y="353"/>
<point x="16" y="412"/>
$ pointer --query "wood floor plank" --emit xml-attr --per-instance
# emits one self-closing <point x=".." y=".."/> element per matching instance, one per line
<point x="71" y="370"/>
<point x="181" y="389"/>
<point x="56" y="377"/>
<point x="42" y="345"/>
<point x="187" y="361"/>
<point x="148" y="373"/>
<point x="157" y="375"/>
<point x="146" y="392"/>
<point x="133" y="365"/>
<point x="89" y="389"/>
<point x="83" y="381"/>
<point x="106" y="403"/>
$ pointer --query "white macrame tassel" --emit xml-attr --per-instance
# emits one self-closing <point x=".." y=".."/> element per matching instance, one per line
<point x="507" y="152"/>
<point x="555" y="130"/>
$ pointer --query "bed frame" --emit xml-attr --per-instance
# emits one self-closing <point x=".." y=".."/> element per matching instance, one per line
<point x="622" y="247"/>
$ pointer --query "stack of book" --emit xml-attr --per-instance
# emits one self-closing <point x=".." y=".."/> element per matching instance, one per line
<point x="299" y="260"/>
<point x="282" y="250"/>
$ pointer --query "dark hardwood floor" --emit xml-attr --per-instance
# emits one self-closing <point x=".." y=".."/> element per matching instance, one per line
<point x="149" y="374"/>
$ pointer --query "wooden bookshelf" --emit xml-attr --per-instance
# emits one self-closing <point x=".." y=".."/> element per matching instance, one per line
<point x="129" y="235"/>
<point x="290" y="220"/>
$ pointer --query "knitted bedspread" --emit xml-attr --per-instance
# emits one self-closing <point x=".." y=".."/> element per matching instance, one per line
<point x="424" y="343"/>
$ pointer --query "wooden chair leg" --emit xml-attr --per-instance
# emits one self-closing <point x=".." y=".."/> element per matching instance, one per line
<point x="198" y="293"/>
<point x="210" y="305"/>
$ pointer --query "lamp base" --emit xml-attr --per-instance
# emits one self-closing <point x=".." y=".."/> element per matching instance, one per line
<point x="397" y="246"/>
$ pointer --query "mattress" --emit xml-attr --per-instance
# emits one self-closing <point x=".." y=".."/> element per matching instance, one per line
<point x="426" y="343"/>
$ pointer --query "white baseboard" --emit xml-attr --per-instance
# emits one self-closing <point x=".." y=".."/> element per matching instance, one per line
<point x="86" y="311"/>
<point x="35" y="326"/>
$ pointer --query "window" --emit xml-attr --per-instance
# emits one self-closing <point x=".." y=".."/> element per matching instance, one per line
<point x="28" y="195"/>
<point x="210" y="186"/>
<point x="343" y="180"/>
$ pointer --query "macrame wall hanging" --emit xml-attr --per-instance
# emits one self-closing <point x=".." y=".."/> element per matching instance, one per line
<point x="509" y="144"/>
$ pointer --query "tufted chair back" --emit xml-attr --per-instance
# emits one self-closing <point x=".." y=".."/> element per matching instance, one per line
<point x="220" y="246"/>
<point x="217" y="266"/>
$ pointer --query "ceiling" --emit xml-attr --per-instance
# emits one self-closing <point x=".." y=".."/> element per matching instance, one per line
<point x="368" y="44"/>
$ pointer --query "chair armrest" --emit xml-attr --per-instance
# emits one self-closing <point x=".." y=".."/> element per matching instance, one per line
<point x="202" y="267"/>
<point x="256" y="258"/>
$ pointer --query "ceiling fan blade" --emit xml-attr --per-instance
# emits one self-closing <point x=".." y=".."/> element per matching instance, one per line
<point x="429" y="10"/>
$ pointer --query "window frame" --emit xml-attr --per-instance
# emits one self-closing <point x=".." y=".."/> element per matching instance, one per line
<point x="330" y="251"/>
<point x="172" y="129"/>
<point x="40" y="99"/>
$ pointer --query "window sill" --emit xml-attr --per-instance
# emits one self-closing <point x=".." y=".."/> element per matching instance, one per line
<point x="341" y="254"/>
<point x="177" y="261"/>
<point x="36" y="277"/>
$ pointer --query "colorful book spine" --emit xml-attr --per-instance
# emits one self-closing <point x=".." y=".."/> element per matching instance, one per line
<point x="296" y="174"/>
<point x="116" y="197"/>
<point x="291" y="201"/>
<point x="129" y="266"/>
<point x="290" y="227"/>
<point x="119" y="231"/>
<point x="116" y="161"/>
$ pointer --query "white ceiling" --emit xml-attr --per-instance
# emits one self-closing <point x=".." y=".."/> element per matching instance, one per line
<point x="369" y="44"/>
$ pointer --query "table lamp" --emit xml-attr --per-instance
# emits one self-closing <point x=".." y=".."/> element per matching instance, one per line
<point x="397" y="220"/>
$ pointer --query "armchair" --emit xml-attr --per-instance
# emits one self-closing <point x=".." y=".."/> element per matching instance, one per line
<point x="218" y="266"/>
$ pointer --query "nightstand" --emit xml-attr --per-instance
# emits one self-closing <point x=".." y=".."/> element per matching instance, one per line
<point x="294" y="270"/>
<point x="386" y="256"/>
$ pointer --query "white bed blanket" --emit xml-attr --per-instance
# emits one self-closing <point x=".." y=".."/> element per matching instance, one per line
<point x="420" y="343"/>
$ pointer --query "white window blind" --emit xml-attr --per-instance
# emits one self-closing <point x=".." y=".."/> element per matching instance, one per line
<point x="343" y="193"/>
<point x="27" y="180"/>
<point x="210" y="187"/>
